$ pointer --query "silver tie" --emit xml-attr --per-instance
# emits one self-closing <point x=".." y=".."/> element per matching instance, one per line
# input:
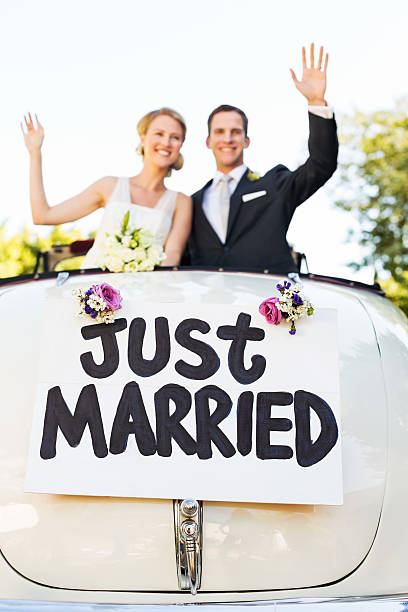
<point x="224" y="202"/>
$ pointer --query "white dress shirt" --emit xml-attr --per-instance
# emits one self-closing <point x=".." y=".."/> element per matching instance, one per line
<point x="210" y="204"/>
<point x="211" y="199"/>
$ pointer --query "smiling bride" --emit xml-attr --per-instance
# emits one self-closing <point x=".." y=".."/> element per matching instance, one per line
<point x="162" y="213"/>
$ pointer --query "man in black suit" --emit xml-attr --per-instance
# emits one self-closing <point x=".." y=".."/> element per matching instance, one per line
<point x="240" y="220"/>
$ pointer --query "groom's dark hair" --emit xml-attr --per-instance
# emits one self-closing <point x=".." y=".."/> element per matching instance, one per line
<point x="226" y="108"/>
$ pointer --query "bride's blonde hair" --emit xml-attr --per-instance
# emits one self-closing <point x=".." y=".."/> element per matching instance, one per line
<point x="144" y="125"/>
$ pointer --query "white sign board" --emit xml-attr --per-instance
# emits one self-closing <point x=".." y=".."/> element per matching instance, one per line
<point x="187" y="400"/>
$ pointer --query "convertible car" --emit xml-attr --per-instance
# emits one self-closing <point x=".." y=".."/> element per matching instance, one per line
<point x="193" y="453"/>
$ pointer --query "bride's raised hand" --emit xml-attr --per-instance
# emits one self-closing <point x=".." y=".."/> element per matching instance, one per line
<point x="72" y="209"/>
<point x="33" y="133"/>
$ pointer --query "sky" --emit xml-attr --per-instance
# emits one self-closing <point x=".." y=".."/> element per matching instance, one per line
<point x="91" y="68"/>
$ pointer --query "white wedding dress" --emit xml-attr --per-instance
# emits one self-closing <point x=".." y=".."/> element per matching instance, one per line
<point x="156" y="220"/>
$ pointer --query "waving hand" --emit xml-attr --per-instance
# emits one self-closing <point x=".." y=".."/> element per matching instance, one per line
<point x="72" y="209"/>
<point x="33" y="136"/>
<point x="313" y="83"/>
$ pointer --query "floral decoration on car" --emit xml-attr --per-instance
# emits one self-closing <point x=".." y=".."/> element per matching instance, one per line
<point x="253" y="176"/>
<point x="290" y="307"/>
<point x="131" y="250"/>
<point x="99" y="302"/>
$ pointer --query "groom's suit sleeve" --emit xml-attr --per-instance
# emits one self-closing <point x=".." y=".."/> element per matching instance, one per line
<point x="297" y="186"/>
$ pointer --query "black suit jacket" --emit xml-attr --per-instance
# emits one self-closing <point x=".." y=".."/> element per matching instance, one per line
<point x="256" y="235"/>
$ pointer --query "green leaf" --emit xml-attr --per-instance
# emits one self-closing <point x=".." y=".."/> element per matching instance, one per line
<point x="125" y="222"/>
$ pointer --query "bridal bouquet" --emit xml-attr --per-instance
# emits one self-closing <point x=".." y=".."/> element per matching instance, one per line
<point x="131" y="250"/>
<point x="291" y="306"/>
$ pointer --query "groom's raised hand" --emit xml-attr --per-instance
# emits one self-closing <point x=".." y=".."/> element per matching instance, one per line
<point x="313" y="83"/>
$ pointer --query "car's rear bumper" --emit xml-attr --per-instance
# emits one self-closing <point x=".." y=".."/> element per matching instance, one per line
<point x="339" y="604"/>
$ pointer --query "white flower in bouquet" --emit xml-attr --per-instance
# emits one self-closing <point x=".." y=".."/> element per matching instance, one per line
<point x="131" y="250"/>
<point x="138" y="254"/>
<point x="155" y="253"/>
<point x="128" y="254"/>
<point x="126" y="240"/>
<point x="114" y="263"/>
<point x="146" y="266"/>
<point x="145" y="239"/>
<point x="110" y="242"/>
<point x="132" y="266"/>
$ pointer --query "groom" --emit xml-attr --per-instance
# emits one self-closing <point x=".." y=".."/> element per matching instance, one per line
<point x="240" y="220"/>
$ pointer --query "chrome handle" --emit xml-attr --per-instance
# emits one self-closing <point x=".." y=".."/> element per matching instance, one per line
<point x="188" y="532"/>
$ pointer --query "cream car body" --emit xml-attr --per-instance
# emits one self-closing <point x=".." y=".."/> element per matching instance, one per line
<point x="88" y="550"/>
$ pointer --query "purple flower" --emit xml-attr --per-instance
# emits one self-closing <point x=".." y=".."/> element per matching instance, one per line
<point x="297" y="300"/>
<point x="292" y="332"/>
<point x="270" y="311"/>
<point x="110" y="295"/>
<point x="88" y="309"/>
<point x="284" y="287"/>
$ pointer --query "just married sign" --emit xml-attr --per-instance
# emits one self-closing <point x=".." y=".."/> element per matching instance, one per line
<point x="187" y="400"/>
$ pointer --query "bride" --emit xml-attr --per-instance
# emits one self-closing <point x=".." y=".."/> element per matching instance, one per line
<point x="165" y="214"/>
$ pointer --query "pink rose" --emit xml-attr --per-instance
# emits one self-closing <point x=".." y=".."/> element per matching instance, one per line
<point x="270" y="311"/>
<point x="111" y="296"/>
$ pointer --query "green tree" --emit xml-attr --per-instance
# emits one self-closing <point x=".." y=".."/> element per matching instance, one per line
<point x="374" y="178"/>
<point x="18" y="253"/>
<point x="397" y="292"/>
<point x="374" y="183"/>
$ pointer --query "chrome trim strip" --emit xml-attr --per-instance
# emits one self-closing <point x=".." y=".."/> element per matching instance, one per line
<point x="355" y="604"/>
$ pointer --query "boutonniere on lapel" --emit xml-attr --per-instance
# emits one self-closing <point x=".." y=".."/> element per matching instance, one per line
<point x="253" y="176"/>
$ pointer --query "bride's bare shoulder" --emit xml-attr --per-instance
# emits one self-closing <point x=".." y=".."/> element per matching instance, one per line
<point x="105" y="186"/>
<point x="107" y="182"/>
<point x="183" y="199"/>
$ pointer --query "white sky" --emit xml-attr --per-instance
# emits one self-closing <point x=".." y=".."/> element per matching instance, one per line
<point x="92" y="68"/>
